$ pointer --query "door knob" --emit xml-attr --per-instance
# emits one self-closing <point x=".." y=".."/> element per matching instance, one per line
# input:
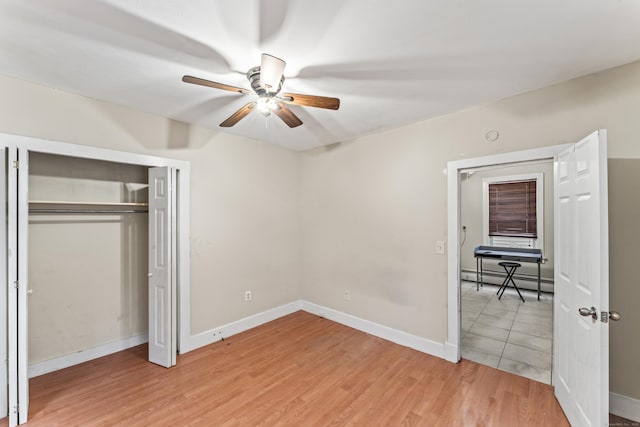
<point x="606" y="315"/>
<point x="614" y="315"/>
<point x="584" y="311"/>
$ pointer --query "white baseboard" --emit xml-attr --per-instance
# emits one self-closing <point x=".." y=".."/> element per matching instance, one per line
<point x="224" y="331"/>
<point x="46" y="366"/>
<point x="625" y="407"/>
<point x="451" y="352"/>
<point x="399" y="337"/>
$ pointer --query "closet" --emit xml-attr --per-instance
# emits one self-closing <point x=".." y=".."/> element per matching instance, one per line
<point x="87" y="256"/>
<point x="96" y="255"/>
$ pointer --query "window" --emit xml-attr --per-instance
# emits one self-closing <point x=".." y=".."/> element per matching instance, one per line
<point x="512" y="223"/>
<point x="512" y="209"/>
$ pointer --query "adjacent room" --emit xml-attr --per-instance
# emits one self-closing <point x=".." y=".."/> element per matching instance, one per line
<point x="508" y="207"/>
<point x="278" y="212"/>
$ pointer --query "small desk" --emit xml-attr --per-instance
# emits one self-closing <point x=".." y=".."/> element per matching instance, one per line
<point x="511" y="254"/>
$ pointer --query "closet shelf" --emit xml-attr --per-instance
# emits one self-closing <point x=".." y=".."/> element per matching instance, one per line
<point x="57" y="206"/>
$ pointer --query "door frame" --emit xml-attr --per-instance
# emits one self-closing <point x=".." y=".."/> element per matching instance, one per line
<point x="452" y="349"/>
<point x="29" y="144"/>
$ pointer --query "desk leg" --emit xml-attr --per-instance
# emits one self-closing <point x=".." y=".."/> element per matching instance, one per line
<point x="538" y="281"/>
<point x="477" y="276"/>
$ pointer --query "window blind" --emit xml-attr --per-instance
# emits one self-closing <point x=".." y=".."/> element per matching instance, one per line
<point x="512" y="209"/>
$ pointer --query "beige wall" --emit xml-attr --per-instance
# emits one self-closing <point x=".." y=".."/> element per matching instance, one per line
<point x="471" y="199"/>
<point x="624" y="235"/>
<point x="372" y="209"/>
<point x="244" y="197"/>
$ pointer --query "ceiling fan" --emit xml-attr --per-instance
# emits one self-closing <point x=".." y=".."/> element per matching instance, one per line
<point x="266" y="81"/>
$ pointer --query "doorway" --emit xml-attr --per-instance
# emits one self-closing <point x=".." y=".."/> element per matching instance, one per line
<point x="581" y="274"/>
<point x="511" y="331"/>
<point x="454" y="233"/>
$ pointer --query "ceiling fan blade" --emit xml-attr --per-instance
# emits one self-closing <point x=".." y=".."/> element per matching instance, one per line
<point x="238" y="115"/>
<point x="203" y="82"/>
<point x="311" y="100"/>
<point x="271" y="69"/>
<point x="287" y="115"/>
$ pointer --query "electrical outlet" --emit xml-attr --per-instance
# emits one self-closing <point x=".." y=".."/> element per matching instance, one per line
<point x="347" y="296"/>
<point x="247" y="295"/>
<point x="440" y="247"/>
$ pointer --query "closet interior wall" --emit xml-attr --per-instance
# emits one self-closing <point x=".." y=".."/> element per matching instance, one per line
<point x="87" y="262"/>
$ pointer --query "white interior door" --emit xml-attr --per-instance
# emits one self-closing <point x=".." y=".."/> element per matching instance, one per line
<point x="162" y="271"/>
<point x="581" y="343"/>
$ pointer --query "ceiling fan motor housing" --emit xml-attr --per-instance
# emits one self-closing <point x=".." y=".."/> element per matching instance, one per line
<point x="253" y="75"/>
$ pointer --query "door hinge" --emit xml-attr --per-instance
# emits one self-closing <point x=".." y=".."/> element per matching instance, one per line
<point x="16" y="284"/>
<point x="16" y="409"/>
<point x="16" y="164"/>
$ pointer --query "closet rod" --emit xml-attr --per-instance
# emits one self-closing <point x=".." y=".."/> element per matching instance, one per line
<point x="60" y="202"/>
<point x="89" y="211"/>
<point x="51" y="206"/>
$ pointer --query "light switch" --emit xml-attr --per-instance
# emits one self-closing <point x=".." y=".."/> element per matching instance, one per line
<point x="440" y="247"/>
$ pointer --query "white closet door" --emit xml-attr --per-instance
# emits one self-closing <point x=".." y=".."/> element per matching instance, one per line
<point x="17" y="327"/>
<point x="23" y="301"/>
<point x="162" y="334"/>
<point x="12" y="292"/>
<point x="4" y="411"/>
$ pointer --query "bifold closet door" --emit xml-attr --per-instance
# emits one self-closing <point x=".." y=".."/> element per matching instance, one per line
<point x="4" y="277"/>
<point x="15" y="192"/>
<point x="162" y="266"/>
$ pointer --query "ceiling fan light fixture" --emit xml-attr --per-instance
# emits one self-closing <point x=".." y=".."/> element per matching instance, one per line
<point x="266" y="105"/>
<point x="271" y="73"/>
<point x="266" y="81"/>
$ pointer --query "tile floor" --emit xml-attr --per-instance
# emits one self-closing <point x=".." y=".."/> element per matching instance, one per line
<point x="506" y="333"/>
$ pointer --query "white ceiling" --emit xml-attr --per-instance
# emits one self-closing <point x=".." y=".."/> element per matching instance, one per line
<point x="390" y="62"/>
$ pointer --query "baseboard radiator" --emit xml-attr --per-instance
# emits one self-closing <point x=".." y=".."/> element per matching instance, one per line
<point x="524" y="281"/>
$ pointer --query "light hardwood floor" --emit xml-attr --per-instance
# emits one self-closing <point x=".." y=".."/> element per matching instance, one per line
<point x="300" y="370"/>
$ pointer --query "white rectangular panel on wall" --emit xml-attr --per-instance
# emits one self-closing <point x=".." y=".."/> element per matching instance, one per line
<point x="161" y="337"/>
